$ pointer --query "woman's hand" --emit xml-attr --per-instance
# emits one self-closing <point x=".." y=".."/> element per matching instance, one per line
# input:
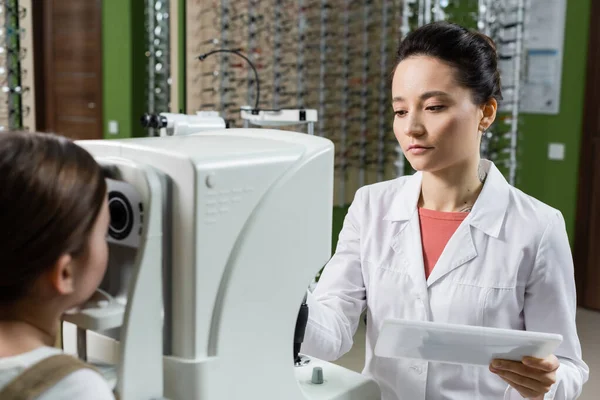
<point x="532" y="378"/>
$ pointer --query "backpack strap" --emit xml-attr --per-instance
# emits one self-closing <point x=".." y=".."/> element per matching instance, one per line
<point x="40" y="377"/>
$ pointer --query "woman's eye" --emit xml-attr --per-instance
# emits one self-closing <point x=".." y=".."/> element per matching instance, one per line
<point x="400" y="113"/>
<point x="436" y="108"/>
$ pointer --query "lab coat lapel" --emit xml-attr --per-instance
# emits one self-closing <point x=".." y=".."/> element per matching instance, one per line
<point x="406" y="242"/>
<point x="459" y="250"/>
<point x="487" y="216"/>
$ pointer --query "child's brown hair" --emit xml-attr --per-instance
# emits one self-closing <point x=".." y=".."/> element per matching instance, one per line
<point x="51" y="192"/>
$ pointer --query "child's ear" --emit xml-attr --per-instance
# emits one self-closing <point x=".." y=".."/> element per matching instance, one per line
<point x="61" y="275"/>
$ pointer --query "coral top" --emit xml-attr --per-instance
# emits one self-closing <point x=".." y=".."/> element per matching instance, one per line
<point x="436" y="229"/>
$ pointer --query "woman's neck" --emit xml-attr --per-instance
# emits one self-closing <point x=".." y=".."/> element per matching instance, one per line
<point x="453" y="189"/>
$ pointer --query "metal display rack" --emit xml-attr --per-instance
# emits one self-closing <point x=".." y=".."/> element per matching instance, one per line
<point x="158" y="68"/>
<point x="503" y="21"/>
<point x="313" y="54"/>
<point x="12" y="54"/>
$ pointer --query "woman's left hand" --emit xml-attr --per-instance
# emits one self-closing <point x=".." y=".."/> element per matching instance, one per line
<point x="532" y="378"/>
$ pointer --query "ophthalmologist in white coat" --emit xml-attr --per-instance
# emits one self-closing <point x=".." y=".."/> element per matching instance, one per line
<point x="453" y="243"/>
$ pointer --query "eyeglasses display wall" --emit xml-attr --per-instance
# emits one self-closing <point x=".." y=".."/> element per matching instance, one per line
<point x="332" y="56"/>
<point x="335" y="56"/>
<point x="16" y="66"/>
<point x="4" y="110"/>
<point x="158" y="54"/>
<point x="504" y="22"/>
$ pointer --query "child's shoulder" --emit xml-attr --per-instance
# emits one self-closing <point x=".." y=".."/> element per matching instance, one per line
<point x="80" y="384"/>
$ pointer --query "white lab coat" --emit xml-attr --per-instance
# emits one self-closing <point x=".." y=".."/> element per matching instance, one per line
<point x="508" y="265"/>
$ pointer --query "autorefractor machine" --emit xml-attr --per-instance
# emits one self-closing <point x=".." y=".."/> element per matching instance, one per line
<point x="214" y="238"/>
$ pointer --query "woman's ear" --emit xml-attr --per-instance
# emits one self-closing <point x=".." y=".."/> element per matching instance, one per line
<point x="488" y="111"/>
<point x="61" y="275"/>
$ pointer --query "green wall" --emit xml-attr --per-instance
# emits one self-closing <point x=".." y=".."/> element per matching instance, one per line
<point x="123" y="63"/>
<point x="556" y="182"/>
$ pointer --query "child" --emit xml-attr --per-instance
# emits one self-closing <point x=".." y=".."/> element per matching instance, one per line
<point x="53" y="223"/>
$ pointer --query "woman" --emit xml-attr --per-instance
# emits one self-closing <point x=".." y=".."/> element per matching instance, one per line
<point x="453" y="243"/>
<point x="54" y="219"/>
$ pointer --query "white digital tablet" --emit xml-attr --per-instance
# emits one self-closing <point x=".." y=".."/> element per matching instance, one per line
<point x="461" y="344"/>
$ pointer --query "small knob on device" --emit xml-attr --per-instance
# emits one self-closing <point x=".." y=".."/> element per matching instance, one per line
<point x="149" y="120"/>
<point x="145" y="120"/>
<point x="317" y="376"/>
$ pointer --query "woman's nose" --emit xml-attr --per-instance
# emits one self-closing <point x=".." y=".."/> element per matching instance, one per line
<point x="414" y="127"/>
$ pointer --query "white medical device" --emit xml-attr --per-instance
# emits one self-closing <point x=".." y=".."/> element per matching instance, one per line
<point x="214" y="239"/>
<point x="171" y="124"/>
<point x="277" y="118"/>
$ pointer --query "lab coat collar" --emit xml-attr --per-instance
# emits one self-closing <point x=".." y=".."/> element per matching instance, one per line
<point x="488" y="211"/>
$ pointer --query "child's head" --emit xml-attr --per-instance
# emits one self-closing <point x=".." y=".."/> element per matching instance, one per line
<point x="53" y="222"/>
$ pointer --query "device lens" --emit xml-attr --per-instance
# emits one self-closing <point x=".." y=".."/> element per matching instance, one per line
<point x="121" y="216"/>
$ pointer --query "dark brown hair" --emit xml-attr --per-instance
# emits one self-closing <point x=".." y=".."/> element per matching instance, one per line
<point x="472" y="54"/>
<point x="51" y="192"/>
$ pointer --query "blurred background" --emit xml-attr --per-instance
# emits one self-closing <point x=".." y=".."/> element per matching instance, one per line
<point x="88" y="69"/>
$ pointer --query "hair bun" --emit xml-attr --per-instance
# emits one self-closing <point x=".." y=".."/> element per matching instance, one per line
<point x="473" y="55"/>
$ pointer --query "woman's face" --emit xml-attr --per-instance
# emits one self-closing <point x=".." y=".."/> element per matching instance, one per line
<point x="436" y="122"/>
